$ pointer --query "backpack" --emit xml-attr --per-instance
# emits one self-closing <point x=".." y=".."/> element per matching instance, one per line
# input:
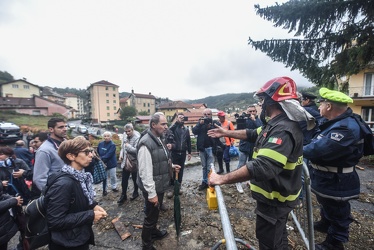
<point x="367" y="135"/>
<point x="36" y="232"/>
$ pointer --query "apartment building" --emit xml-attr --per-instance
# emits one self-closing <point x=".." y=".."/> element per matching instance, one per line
<point x="171" y="108"/>
<point x="142" y="102"/>
<point x="103" y="101"/>
<point x="75" y="102"/>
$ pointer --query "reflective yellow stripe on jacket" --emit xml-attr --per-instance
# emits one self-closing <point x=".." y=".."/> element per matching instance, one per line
<point x="274" y="195"/>
<point x="278" y="157"/>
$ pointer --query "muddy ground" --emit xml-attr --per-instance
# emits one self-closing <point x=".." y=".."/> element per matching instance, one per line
<point x="201" y="228"/>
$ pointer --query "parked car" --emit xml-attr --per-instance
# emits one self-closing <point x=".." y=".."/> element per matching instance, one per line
<point x="82" y="129"/>
<point x="71" y="126"/>
<point x="9" y="132"/>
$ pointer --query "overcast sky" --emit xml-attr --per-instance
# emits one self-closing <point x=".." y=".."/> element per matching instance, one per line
<point x="181" y="49"/>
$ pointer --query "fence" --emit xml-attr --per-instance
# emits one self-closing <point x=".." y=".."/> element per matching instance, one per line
<point x="303" y="215"/>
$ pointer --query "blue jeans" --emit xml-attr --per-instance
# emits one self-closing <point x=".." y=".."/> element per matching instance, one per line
<point x="113" y="179"/>
<point x="207" y="159"/>
<point x="243" y="158"/>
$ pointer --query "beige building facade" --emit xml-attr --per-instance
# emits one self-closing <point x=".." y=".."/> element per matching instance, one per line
<point x="103" y="101"/>
<point x="142" y="102"/>
<point x="19" y="88"/>
<point x="361" y="90"/>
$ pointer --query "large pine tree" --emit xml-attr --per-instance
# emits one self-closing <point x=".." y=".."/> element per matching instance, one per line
<point x="333" y="38"/>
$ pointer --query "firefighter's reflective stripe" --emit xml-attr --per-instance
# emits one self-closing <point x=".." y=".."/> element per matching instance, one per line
<point x="278" y="157"/>
<point x="274" y="195"/>
<point x="258" y="130"/>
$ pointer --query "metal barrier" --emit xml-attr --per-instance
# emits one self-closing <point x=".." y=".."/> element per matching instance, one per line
<point x="303" y="215"/>
<point x="229" y="240"/>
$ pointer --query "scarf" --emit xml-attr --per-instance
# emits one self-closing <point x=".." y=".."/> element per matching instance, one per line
<point x="85" y="179"/>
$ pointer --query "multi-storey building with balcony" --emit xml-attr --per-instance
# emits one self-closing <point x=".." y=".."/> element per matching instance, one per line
<point x="361" y="90"/>
<point x="103" y="102"/>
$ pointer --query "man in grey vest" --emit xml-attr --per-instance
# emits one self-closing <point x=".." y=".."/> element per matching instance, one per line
<point x="153" y="176"/>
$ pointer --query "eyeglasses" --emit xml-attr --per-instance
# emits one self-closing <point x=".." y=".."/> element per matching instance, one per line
<point x="252" y="110"/>
<point x="87" y="151"/>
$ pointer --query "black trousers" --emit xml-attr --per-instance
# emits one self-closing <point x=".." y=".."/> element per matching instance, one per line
<point x="125" y="181"/>
<point x="150" y="220"/>
<point x="54" y="246"/>
<point x="271" y="230"/>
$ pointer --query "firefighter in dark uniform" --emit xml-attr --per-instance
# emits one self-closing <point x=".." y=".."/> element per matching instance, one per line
<point x="333" y="155"/>
<point x="275" y="170"/>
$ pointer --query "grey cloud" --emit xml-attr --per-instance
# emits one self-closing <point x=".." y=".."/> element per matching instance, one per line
<point x="239" y="71"/>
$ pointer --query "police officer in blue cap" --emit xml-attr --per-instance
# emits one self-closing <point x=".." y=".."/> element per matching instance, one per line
<point x="333" y="154"/>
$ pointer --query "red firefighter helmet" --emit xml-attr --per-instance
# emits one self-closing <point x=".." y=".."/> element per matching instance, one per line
<point x="279" y="89"/>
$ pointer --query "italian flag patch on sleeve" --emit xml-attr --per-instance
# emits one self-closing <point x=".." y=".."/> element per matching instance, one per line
<point x="275" y="140"/>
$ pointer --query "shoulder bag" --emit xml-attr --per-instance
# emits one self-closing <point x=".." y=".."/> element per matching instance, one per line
<point x="131" y="164"/>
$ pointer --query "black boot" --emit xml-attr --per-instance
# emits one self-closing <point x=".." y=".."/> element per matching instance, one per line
<point x="321" y="226"/>
<point x="330" y="244"/>
<point x="220" y="168"/>
<point x="227" y="167"/>
<point x="122" y="199"/>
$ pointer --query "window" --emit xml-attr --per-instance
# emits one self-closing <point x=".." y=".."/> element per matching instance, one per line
<point x="107" y="101"/>
<point x="114" y="95"/>
<point x="107" y="95"/>
<point x="114" y="101"/>
<point x="107" y="107"/>
<point x="108" y="114"/>
<point x="26" y="86"/>
<point x="368" y="115"/>
<point x="369" y="84"/>
<point x="15" y="86"/>
<point x="106" y="88"/>
<point x="149" y="105"/>
<point x="114" y="88"/>
<point x="143" y="104"/>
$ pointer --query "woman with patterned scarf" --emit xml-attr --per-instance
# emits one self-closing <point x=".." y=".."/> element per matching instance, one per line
<point x="71" y="209"/>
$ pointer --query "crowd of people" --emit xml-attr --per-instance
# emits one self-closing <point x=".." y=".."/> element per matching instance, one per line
<point x="290" y="130"/>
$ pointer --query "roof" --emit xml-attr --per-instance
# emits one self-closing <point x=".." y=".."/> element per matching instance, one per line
<point x="124" y="99"/>
<point x="47" y="91"/>
<point x="175" y="105"/>
<point x="102" y="82"/>
<point x="19" y="80"/>
<point x="143" y="117"/>
<point x="138" y="95"/>
<point x="199" y="105"/>
<point x="17" y="101"/>
<point x="70" y="95"/>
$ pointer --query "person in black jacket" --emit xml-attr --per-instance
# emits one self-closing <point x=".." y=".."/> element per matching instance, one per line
<point x="71" y="209"/>
<point x="180" y="148"/>
<point x="8" y="226"/>
<point x="205" y="144"/>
